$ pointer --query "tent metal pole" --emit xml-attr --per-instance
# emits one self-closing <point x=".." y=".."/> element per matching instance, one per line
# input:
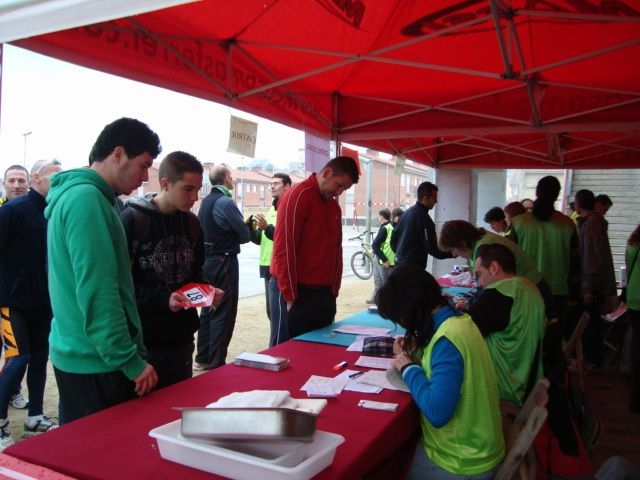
<point x="426" y="108"/>
<point x="511" y="130"/>
<point x="585" y="56"/>
<point x="373" y="56"/>
<point x="578" y="16"/>
<point x="606" y="143"/>
<point x="592" y="110"/>
<point x="179" y="55"/>
<point x="506" y="61"/>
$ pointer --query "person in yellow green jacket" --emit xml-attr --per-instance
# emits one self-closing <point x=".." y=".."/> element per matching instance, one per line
<point x="263" y="236"/>
<point x="446" y="364"/>
<point x="464" y="240"/>
<point x="510" y="316"/>
<point x="633" y="309"/>
<point x="385" y="256"/>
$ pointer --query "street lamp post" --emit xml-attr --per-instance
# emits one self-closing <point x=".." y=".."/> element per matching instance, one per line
<point x="24" y="150"/>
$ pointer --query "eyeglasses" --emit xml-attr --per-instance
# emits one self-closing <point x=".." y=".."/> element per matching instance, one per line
<point x="41" y="164"/>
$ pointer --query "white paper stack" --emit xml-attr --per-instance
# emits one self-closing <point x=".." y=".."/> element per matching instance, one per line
<point x="262" y="361"/>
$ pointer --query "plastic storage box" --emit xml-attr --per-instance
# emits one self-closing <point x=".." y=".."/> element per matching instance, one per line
<point x="244" y="462"/>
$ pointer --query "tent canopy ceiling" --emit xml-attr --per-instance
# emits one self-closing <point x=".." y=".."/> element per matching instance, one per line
<point x="467" y="84"/>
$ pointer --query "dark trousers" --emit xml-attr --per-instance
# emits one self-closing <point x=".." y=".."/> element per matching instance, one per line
<point x="634" y="323"/>
<point x="84" y="394"/>
<point x="553" y="361"/>
<point x="267" y="298"/>
<point x="26" y="343"/>
<point x="592" y="337"/>
<point x="172" y="364"/>
<point x="278" y="321"/>
<point x="217" y="324"/>
<point x="314" y="308"/>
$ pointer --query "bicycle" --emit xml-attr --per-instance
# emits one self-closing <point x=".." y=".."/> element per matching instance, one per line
<point x="362" y="261"/>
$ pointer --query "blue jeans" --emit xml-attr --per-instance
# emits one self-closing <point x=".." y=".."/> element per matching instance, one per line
<point x="423" y="468"/>
<point x="11" y="376"/>
<point x="279" y="321"/>
<point x="30" y="338"/>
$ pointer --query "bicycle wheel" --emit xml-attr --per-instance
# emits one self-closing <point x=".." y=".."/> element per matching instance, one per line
<point x="361" y="265"/>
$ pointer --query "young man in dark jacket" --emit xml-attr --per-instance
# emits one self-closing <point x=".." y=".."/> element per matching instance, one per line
<point x="414" y="238"/>
<point x="167" y="252"/>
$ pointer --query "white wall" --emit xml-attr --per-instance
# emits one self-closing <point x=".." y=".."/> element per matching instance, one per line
<point x="465" y="195"/>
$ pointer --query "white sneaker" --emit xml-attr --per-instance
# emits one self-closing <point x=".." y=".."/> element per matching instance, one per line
<point x="5" y="436"/>
<point x="200" y="367"/>
<point x="18" y="401"/>
<point x="46" y="424"/>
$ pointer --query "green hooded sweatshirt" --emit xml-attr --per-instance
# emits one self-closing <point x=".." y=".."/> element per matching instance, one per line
<point x="95" y="327"/>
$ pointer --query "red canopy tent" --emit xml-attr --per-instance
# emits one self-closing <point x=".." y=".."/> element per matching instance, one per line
<point x="467" y="84"/>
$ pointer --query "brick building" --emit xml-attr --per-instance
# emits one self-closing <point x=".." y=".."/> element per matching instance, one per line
<point x="251" y="186"/>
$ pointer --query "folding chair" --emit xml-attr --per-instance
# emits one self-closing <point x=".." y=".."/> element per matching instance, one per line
<point x="520" y="462"/>
<point x="574" y="344"/>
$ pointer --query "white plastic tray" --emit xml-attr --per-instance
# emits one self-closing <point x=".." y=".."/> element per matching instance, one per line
<point x="315" y="456"/>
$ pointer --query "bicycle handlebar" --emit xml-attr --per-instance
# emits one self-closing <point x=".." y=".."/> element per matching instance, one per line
<point x="358" y="237"/>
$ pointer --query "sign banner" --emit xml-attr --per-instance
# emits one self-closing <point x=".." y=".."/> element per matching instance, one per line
<point x="242" y="137"/>
<point x="316" y="152"/>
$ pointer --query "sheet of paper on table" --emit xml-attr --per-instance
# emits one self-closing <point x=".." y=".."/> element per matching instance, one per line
<point x="318" y="386"/>
<point x="381" y="363"/>
<point x="381" y="379"/>
<point x="353" y="385"/>
<point x="362" y="330"/>
<point x="357" y="344"/>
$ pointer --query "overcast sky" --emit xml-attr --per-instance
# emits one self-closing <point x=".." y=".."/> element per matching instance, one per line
<point x="65" y="107"/>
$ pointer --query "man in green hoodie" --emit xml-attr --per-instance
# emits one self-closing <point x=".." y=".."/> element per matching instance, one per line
<point x="96" y="345"/>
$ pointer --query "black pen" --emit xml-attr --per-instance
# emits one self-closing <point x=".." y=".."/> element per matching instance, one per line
<point x="357" y="374"/>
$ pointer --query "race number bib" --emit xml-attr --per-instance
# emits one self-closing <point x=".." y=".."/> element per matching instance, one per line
<point x="199" y="294"/>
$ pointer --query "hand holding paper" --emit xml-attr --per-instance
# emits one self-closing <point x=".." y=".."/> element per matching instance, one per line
<point x="197" y="295"/>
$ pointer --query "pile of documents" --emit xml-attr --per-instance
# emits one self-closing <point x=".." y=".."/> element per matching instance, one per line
<point x="262" y="361"/>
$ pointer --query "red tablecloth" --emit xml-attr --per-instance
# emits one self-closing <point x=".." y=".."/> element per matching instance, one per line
<point x="115" y="443"/>
<point x="12" y="468"/>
